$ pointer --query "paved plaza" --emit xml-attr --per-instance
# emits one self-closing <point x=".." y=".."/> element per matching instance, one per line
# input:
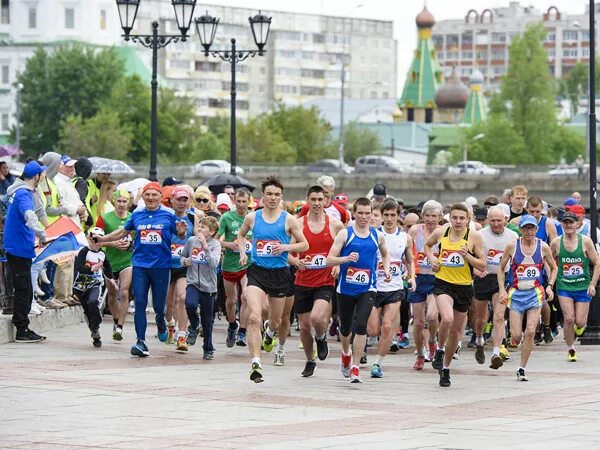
<point x="64" y="394"/>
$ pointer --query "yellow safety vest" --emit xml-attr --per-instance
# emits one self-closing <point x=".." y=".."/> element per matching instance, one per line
<point x="51" y="195"/>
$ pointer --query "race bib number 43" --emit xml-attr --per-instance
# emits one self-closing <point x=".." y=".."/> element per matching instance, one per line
<point x="358" y="276"/>
<point x="151" y="237"/>
<point x="264" y="248"/>
<point x="452" y="259"/>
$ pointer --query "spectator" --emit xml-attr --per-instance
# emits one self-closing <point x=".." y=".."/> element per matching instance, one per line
<point x="204" y="203"/>
<point x="579" y="163"/>
<point x="6" y="178"/>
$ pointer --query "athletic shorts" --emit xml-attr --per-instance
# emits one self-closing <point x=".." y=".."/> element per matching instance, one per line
<point x="117" y="273"/>
<point x="178" y="273"/>
<point x="387" y="298"/>
<point x="576" y="296"/>
<point x="424" y="288"/>
<point x="234" y="277"/>
<point x="273" y="282"/>
<point x="305" y="297"/>
<point x="354" y="312"/>
<point x="485" y="288"/>
<point x="522" y="301"/>
<point x="461" y="294"/>
<point x="291" y="288"/>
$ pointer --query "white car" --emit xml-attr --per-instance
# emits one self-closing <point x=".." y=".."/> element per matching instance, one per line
<point x="473" y="168"/>
<point x="212" y="167"/>
<point x="568" y="170"/>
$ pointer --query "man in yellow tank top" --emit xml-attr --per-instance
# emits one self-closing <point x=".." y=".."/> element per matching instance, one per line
<point x="460" y="250"/>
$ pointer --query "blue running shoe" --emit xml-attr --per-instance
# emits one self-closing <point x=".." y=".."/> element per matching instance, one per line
<point x="140" y="349"/>
<point x="376" y="371"/>
<point x="163" y="331"/>
<point x="404" y="342"/>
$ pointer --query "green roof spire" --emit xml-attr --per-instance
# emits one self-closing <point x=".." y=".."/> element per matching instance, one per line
<point x="475" y="111"/>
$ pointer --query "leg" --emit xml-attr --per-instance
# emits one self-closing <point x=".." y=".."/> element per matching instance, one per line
<point x="169" y="316"/>
<point x="255" y="298"/>
<point x="276" y="307"/>
<point x="481" y="317"/>
<point x="533" y="318"/>
<point x="20" y="270"/>
<point x="456" y="331"/>
<point x="243" y="307"/>
<point x="581" y="313"/>
<point x="113" y="301"/>
<point x="93" y="313"/>
<point x="418" y="325"/>
<point x="444" y="304"/>
<point x="404" y="316"/>
<point x="568" y="308"/>
<point x="432" y="317"/>
<point x="284" y="326"/>
<point x="179" y="311"/>
<point x="499" y="329"/>
<point x="192" y="300"/>
<point x="346" y="306"/>
<point x="207" y="302"/>
<point x="319" y="317"/>
<point x="231" y="296"/>
<point x="389" y="321"/>
<point x="141" y="285"/>
<point x="363" y="308"/>
<point x="306" y="336"/>
<point x="159" y="280"/>
<point x="516" y="326"/>
<point x="124" y="285"/>
<point x="374" y="323"/>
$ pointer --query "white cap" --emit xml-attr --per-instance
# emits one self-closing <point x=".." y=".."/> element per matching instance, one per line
<point x="505" y="208"/>
<point x="471" y="201"/>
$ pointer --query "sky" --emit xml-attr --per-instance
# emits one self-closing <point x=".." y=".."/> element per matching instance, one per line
<point x="402" y="12"/>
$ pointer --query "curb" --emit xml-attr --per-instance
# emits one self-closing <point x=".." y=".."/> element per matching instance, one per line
<point x="48" y="320"/>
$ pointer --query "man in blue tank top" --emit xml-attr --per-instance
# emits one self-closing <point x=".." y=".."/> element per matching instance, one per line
<point x="355" y="250"/>
<point x="268" y="275"/>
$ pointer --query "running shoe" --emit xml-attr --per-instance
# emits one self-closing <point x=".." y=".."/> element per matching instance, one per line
<point x="182" y="345"/>
<point x="548" y="338"/>
<point x="404" y="342"/>
<point x="345" y="365"/>
<point x="208" y="354"/>
<point x="241" y="339"/>
<point x="231" y="334"/>
<point x="192" y="335"/>
<point x="256" y="373"/>
<point x="363" y="358"/>
<point x="371" y="341"/>
<point x="170" y="335"/>
<point x="438" y="360"/>
<point x="322" y="348"/>
<point x="163" y="332"/>
<point x="279" y="359"/>
<point x="480" y="354"/>
<point x="487" y="333"/>
<point x="333" y="328"/>
<point x="395" y="346"/>
<point x="419" y="363"/>
<point x="504" y="354"/>
<point x="268" y="343"/>
<point x="538" y="339"/>
<point x="496" y="362"/>
<point x="355" y="375"/>
<point x="521" y="375"/>
<point x="572" y="355"/>
<point x="96" y="338"/>
<point x="579" y="331"/>
<point x="375" y="371"/>
<point x="472" y="343"/>
<point x="445" y="378"/>
<point x="118" y="334"/>
<point x="432" y="348"/>
<point x="457" y="352"/>
<point x="140" y="349"/>
<point x="309" y="369"/>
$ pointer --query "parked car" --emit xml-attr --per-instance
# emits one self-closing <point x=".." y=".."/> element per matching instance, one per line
<point x="473" y="168"/>
<point x="212" y="167"/>
<point x="327" y="166"/>
<point x="568" y="170"/>
<point x="379" y="163"/>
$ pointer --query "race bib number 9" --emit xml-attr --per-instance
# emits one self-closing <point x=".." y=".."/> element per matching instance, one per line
<point x="528" y="272"/>
<point x="573" y="270"/>
<point x="452" y="259"/>
<point x="423" y="261"/>
<point x="358" y="276"/>
<point x="315" y="261"/>
<point x="264" y="248"/>
<point x="199" y="256"/>
<point x="494" y="256"/>
<point x="151" y="237"/>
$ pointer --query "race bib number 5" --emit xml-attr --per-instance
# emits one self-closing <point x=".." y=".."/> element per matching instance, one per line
<point x="452" y="259"/>
<point x="264" y="248"/>
<point x="358" y="276"/>
<point x="151" y="237"/>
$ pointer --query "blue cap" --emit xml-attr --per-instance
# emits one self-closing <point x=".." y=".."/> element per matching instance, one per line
<point x="570" y="202"/>
<point x="67" y="160"/>
<point x="527" y="219"/>
<point x="32" y="168"/>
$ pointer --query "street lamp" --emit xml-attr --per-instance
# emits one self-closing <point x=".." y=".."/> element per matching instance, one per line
<point x="206" y="28"/>
<point x="184" y="10"/>
<point x="466" y="147"/>
<point x="392" y="144"/>
<point x="19" y="88"/>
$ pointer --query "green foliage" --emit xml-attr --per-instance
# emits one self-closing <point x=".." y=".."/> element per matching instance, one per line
<point x="73" y="80"/>
<point x="209" y="146"/>
<point x="258" y="142"/>
<point x="103" y="135"/>
<point x="359" y="141"/>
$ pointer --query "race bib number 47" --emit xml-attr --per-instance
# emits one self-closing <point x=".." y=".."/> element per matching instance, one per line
<point x="151" y="237"/>
<point x="315" y="261"/>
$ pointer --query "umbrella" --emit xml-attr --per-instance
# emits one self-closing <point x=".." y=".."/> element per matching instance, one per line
<point x="217" y="183"/>
<point x="114" y="166"/>
<point x="61" y="249"/>
<point x="133" y="186"/>
<point x="9" y="150"/>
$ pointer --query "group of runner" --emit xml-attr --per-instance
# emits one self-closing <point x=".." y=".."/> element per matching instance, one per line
<point x="369" y="270"/>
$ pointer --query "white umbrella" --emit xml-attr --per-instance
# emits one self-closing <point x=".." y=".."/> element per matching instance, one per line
<point x="114" y="166"/>
<point x="133" y="186"/>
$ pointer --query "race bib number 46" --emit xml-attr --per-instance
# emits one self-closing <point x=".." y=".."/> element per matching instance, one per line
<point x="151" y="237"/>
<point x="315" y="261"/>
<point x="358" y="276"/>
<point x="264" y="248"/>
<point x="452" y="259"/>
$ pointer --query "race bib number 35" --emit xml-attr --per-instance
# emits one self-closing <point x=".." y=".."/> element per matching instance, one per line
<point x="264" y="248"/>
<point x="151" y="237"/>
<point x="358" y="276"/>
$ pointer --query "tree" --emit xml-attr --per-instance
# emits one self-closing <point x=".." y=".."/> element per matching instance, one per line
<point x="73" y="80"/>
<point x="258" y="142"/>
<point x="359" y="141"/>
<point x="209" y="146"/>
<point x="574" y="85"/>
<point x="103" y="134"/>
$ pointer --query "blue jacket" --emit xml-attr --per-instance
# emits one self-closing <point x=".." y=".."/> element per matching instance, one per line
<point x="19" y="239"/>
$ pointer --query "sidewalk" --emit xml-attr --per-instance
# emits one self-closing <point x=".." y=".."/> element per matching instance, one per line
<point x="64" y="394"/>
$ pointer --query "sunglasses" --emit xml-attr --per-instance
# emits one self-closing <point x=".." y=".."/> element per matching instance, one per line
<point x="202" y="200"/>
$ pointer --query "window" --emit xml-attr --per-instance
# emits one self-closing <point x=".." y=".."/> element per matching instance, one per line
<point x="585" y="35"/>
<point x="179" y="64"/>
<point x="312" y="90"/>
<point x="32" y="18"/>
<point x="5" y="126"/>
<point x="103" y="19"/>
<point x="551" y="53"/>
<point x="451" y="40"/>
<point x="498" y="70"/>
<point x="585" y="52"/>
<point x="318" y="38"/>
<point x="466" y="55"/>
<point x="5" y="75"/>
<point x="482" y="55"/>
<point x="69" y="18"/>
<point x="551" y="36"/>
<point x="5" y="13"/>
<point x="570" y="53"/>
<point x="438" y="40"/>
<point x="570" y="35"/>
<point x="498" y="54"/>
<point x="467" y="39"/>
<point x="498" y="37"/>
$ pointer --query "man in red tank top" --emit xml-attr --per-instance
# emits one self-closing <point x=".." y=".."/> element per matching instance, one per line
<point x="315" y="280"/>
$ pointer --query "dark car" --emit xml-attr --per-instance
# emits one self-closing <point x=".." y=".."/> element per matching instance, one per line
<point x="327" y="166"/>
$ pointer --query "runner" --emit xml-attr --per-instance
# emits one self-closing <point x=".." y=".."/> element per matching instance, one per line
<point x="268" y="275"/>
<point x="460" y="250"/>
<point x="118" y="254"/>
<point x="357" y="245"/>
<point x="495" y="239"/>
<point x="518" y="198"/>
<point x="423" y="302"/>
<point x="574" y="287"/>
<point x="332" y="209"/>
<point x="386" y="308"/>
<point x="527" y="256"/>
<point x="315" y="280"/>
<point x="234" y="274"/>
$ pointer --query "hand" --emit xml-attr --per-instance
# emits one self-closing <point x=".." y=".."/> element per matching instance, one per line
<point x="81" y="210"/>
<point x="335" y="272"/>
<point x="464" y="251"/>
<point x="591" y="290"/>
<point x="278" y="248"/>
<point x="549" y="293"/>
<point x="113" y="285"/>
<point x="187" y="262"/>
<point x="412" y="283"/>
<point x="243" y="259"/>
<point x="503" y="296"/>
<point x="43" y="240"/>
<point x="181" y="227"/>
<point x="435" y="265"/>
<point x="480" y="274"/>
<point x="352" y="257"/>
<point x="387" y="276"/>
<point x="301" y="265"/>
<point x="122" y="244"/>
<point x="96" y="267"/>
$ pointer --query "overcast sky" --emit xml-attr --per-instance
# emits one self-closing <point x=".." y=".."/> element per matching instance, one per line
<point x="402" y="12"/>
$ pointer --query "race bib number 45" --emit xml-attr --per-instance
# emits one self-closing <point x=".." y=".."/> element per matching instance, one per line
<point x="151" y="237"/>
<point x="452" y="259"/>
<point x="358" y="276"/>
<point x="264" y="248"/>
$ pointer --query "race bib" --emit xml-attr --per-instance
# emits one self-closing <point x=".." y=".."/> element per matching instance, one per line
<point x="355" y="275"/>
<point x="248" y="246"/>
<point x="151" y="237"/>
<point x="573" y="270"/>
<point x="264" y="248"/>
<point x="452" y="259"/>
<point x="494" y="256"/>
<point x="176" y="250"/>
<point x="396" y="269"/>
<point x="318" y="261"/>
<point x="528" y="272"/>
<point x="199" y="256"/>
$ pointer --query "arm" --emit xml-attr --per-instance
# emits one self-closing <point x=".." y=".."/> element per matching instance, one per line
<point x="185" y="253"/>
<point x="25" y="204"/>
<point x="477" y="261"/>
<point x="80" y="262"/>
<point x="301" y="244"/>
<point x="385" y="257"/>
<point x="107" y="268"/>
<point x="410" y="262"/>
<point x="590" y="250"/>
<point x="550" y="230"/>
<point x="549" y="260"/>
<point x="433" y="240"/>
<point x="214" y="253"/>
<point x="241" y="237"/>
<point x="508" y="251"/>
<point x="334" y="258"/>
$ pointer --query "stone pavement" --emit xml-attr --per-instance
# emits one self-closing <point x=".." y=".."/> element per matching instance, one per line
<point x="64" y="394"/>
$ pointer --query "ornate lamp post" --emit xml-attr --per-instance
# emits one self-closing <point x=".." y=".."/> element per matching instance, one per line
<point x="184" y="10"/>
<point x="206" y="27"/>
